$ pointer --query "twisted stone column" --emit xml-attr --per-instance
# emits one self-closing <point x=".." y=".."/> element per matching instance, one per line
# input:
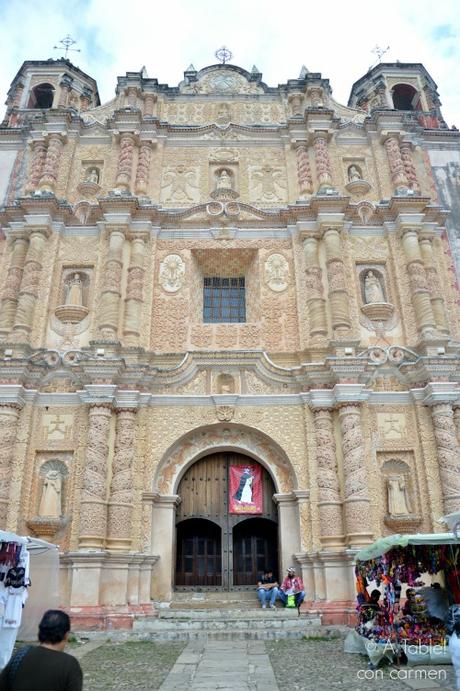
<point x="109" y="305"/>
<point x="329" y="500"/>
<point x="437" y="300"/>
<point x="134" y="292"/>
<point x="357" y="503"/>
<point x="322" y="160"/>
<point x="398" y="176"/>
<point x="38" y="161"/>
<point x="457" y="421"/>
<point x="51" y="167"/>
<point x="303" y="170"/>
<point x="448" y="449"/>
<point x="93" y="505"/>
<point x="121" y="487"/>
<point x="143" y="168"/>
<point x="125" y="161"/>
<point x="421" y="298"/>
<point x="338" y="295"/>
<point x="12" y="286"/>
<point x="28" y="293"/>
<point x="408" y="165"/>
<point x="149" y="103"/>
<point x="316" y="303"/>
<point x="9" y="417"/>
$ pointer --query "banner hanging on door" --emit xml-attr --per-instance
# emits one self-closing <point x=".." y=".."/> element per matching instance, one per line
<point x="246" y="494"/>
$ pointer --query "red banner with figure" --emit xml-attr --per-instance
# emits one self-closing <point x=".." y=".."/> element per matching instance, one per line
<point x="246" y="495"/>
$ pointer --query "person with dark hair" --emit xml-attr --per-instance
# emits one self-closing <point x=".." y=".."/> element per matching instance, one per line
<point x="45" y="666"/>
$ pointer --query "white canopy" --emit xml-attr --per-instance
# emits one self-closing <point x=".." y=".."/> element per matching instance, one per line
<point x="384" y="544"/>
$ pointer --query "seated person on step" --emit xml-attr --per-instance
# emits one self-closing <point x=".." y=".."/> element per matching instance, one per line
<point x="292" y="585"/>
<point x="267" y="589"/>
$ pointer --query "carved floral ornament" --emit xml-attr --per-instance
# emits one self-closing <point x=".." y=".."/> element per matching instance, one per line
<point x="277" y="272"/>
<point x="172" y="273"/>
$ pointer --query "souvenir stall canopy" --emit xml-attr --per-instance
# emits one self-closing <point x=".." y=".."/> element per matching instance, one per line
<point x="392" y="562"/>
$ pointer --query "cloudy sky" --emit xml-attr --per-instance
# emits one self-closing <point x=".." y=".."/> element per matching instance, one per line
<point x="335" y="38"/>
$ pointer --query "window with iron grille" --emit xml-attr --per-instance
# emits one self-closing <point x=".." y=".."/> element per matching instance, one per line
<point x="224" y="299"/>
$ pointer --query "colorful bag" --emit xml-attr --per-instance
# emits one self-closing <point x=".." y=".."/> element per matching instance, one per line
<point x="290" y="601"/>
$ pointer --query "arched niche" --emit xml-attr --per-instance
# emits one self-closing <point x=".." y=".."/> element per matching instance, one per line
<point x="41" y="96"/>
<point x="405" y="97"/>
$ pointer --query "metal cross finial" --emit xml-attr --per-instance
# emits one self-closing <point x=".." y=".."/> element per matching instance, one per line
<point x="380" y="52"/>
<point x="223" y="54"/>
<point x="66" y="43"/>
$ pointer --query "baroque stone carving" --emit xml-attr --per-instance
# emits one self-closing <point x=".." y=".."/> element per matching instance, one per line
<point x="303" y="170"/>
<point x="121" y="487"/>
<point x="9" y="416"/>
<point x="172" y="273"/>
<point x="329" y="499"/>
<point x="277" y="272"/>
<point x="267" y="184"/>
<point x="180" y="184"/>
<point x="448" y="455"/>
<point x="398" y="496"/>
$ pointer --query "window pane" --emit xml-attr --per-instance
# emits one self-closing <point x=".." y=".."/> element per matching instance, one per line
<point x="224" y="299"/>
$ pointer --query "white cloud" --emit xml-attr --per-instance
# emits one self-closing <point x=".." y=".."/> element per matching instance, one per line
<point x="335" y="39"/>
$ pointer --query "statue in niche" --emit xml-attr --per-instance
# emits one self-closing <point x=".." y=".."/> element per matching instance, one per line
<point x="225" y="384"/>
<point x="373" y="291"/>
<point x="224" y="181"/>
<point x="92" y="175"/>
<point x="74" y="291"/>
<point x="398" y="496"/>
<point x="51" y="502"/>
<point x="354" y="174"/>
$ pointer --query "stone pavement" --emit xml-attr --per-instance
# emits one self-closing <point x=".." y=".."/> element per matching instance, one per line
<point x="223" y="666"/>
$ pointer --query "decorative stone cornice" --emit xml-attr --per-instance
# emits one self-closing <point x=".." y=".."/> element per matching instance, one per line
<point x="441" y="392"/>
<point x="98" y="394"/>
<point x="12" y="395"/>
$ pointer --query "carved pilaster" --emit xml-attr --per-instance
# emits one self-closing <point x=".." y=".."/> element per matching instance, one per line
<point x="134" y="292"/>
<point x="329" y="500"/>
<point x="448" y="448"/>
<point x="28" y="293"/>
<point x="125" y="161"/>
<point x="38" y="161"/>
<point x="303" y="170"/>
<point x="66" y="88"/>
<point x="322" y="160"/>
<point x="457" y="421"/>
<point x="434" y="286"/>
<point x="315" y="298"/>
<point x="51" y="167"/>
<point x="295" y="101"/>
<point x="420" y="294"/>
<point x="356" y="503"/>
<point x="149" y="104"/>
<point x="398" y="176"/>
<point x="93" y="506"/>
<point x="143" y="168"/>
<point x="408" y="165"/>
<point x="109" y="304"/>
<point x="121" y="487"/>
<point x="9" y="417"/>
<point x="338" y="294"/>
<point x="12" y="286"/>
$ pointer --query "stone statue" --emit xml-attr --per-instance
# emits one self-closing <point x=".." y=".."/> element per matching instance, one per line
<point x="50" y="502"/>
<point x="224" y="181"/>
<point x="223" y="114"/>
<point x="92" y="176"/>
<point x="74" y="288"/>
<point x="398" y="496"/>
<point x="373" y="289"/>
<point x="354" y="174"/>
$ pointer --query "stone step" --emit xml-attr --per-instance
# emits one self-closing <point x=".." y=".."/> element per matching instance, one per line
<point x="232" y="634"/>
<point x="234" y="613"/>
<point x="159" y="625"/>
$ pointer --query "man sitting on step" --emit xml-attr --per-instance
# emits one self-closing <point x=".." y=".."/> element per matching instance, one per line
<point x="267" y="589"/>
<point x="292" y="585"/>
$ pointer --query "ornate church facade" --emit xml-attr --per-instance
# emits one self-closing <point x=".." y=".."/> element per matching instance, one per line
<point x="215" y="278"/>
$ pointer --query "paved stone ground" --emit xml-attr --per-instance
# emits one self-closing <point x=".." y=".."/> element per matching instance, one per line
<point x="320" y="665"/>
<point x="222" y="666"/>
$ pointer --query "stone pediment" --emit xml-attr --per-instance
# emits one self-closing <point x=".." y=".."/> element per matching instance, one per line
<point x="220" y="80"/>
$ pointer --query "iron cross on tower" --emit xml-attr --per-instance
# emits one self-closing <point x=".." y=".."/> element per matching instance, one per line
<point x="223" y="55"/>
<point x="66" y="43"/>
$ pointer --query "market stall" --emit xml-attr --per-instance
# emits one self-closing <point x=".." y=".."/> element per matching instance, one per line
<point x="421" y="570"/>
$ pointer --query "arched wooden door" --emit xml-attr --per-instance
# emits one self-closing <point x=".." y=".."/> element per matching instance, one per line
<point x="247" y="543"/>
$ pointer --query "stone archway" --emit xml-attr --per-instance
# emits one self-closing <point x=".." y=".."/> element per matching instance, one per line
<point x="197" y="444"/>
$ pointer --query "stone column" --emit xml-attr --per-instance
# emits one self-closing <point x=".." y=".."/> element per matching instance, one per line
<point x="149" y="103"/>
<point x="357" y="505"/>
<point x="121" y="487"/>
<point x="38" y="161"/>
<point x="143" y="168"/>
<point x="9" y="417"/>
<point x="303" y="170"/>
<point x="322" y="160"/>
<point x="125" y="161"/>
<point x="93" y="506"/>
<point x="289" y="528"/>
<point x="29" y="290"/>
<point x="295" y="101"/>
<point x="448" y="448"/>
<point x="131" y="96"/>
<point x="12" y="285"/>
<point x="329" y="499"/>
<point x="66" y="87"/>
<point x="437" y="300"/>
<point x="85" y="98"/>
<point x="338" y="295"/>
<point x="163" y="542"/>
<point x="109" y="305"/>
<point x="316" y="303"/>
<point x="457" y="421"/>
<point x="398" y="176"/>
<point x="408" y="165"/>
<point x="134" y="292"/>
<point x="49" y="177"/>
<point x="420" y="294"/>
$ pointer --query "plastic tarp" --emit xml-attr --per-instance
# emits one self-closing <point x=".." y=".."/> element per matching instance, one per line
<point x="384" y="544"/>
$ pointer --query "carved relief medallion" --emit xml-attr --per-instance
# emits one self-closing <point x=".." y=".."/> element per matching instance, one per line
<point x="277" y="272"/>
<point x="172" y="273"/>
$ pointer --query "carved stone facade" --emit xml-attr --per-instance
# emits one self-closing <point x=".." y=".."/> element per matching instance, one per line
<point x="223" y="267"/>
